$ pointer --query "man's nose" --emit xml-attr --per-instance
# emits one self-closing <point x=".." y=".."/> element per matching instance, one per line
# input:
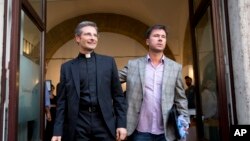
<point x="160" y="38"/>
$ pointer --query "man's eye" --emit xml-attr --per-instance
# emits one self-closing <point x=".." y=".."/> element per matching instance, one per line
<point x="156" y="35"/>
<point x="89" y="34"/>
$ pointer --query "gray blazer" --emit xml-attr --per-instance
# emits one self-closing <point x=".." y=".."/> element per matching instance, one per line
<point x="172" y="92"/>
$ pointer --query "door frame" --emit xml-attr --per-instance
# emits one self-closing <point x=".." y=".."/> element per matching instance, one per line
<point x="3" y="71"/>
<point x="220" y="31"/>
<point x="14" y="64"/>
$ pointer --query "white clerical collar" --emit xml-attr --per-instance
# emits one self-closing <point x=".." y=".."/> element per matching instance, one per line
<point x="88" y="55"/>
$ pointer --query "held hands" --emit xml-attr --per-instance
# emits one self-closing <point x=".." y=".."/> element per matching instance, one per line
<point x="121" y="134"/>
<point x="56" y="138"/>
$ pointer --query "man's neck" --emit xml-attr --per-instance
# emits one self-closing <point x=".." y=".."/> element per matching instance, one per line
<point x="155" y="57"/>
<point x="86" y="51"/>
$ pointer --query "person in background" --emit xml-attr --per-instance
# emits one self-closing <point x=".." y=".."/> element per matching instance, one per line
<point x="47" y="104"/>
<point x="209" y="100"/>
<point x="191" y="96"/>
<point x="190" y="92"/>
<point x="91" y="91"/>
<point x="47" y="97"/>
<point x="209" y="110"/>
<point x="50" y="123"/>
<point x="154" y="85"/>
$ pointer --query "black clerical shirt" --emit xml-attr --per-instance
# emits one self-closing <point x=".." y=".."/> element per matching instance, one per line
<point x="88" y="85"/>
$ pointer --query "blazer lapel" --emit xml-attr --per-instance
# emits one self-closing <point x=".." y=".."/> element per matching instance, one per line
<point x="166" y="74"/>
<point x="76" y="75"/>
<point x="142" y="67"/>
<point x="98" y="71"/>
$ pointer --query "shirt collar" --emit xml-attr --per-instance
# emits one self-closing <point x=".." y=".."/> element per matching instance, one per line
<point x="83" y="56"/>
<point x="149" y="59"/>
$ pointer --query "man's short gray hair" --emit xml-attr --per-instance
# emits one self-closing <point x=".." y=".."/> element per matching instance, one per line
<point x="82" y="24"/>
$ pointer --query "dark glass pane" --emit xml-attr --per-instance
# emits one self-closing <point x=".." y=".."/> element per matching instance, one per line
<point x="207" y="75"/>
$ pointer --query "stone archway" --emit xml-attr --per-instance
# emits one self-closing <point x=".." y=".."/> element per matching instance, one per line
<point x="107" y="22"/>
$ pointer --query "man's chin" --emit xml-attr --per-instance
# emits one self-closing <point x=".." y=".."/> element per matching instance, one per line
<point x="157" y="50"/>
<point x="90" y="49"/>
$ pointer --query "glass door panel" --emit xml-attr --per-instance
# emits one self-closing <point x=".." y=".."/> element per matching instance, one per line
<point x="29" y="81"/>
<point x="207" y="77"/>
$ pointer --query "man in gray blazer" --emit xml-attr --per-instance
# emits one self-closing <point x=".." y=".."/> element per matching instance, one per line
<point x="153" y="85"/>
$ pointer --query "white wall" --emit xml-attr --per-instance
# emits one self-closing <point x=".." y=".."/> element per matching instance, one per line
<point x="239" y="23"/>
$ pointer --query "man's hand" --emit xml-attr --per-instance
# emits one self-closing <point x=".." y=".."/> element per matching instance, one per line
<point x="48" y="116"/>
<point x="56" y="138"/>
<point x="47" y="113"/>
<point x="121" y="134"/>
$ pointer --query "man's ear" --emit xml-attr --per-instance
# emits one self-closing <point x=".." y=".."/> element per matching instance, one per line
<point x="147" y="42"/>
<point x="77" y="38"/>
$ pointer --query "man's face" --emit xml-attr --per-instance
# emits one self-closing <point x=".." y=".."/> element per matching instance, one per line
<point x="157" y="40"/>
<point x="188" y="81"/>
<point x="88" y="39"/>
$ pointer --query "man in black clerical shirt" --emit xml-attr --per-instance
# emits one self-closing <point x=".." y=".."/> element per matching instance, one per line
<point x="91" y="93"/>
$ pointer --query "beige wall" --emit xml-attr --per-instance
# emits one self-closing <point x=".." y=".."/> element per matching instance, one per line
<point x="121" y="47"/>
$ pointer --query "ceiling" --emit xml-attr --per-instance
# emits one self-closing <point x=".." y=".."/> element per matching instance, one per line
<point x="172" y="13"/>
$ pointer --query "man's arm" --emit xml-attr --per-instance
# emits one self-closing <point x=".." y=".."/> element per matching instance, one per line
<point x="61" y="104"/>
<point x="119" y="100"/>
<point x="180" y="97"/>
<point x="123" y="74"/>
